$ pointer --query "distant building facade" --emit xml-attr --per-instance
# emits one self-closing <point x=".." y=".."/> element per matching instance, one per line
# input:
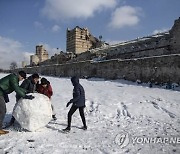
<point x="40" y="56"/>
<point x="79" y="40"/>
<point x="24" y="64"/>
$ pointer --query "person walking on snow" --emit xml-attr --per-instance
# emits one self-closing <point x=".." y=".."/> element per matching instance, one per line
<point x="8" y="84"/>
<point x="46" y="89"/>
<point x="78" y="102"/>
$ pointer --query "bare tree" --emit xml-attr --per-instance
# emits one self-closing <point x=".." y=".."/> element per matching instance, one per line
<point x="100" y="37"/>
<point x="1" y="70"/>
<point x="13" y="65"/>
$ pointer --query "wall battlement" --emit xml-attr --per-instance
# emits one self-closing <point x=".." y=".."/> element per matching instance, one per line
<point x="154" y="58"/>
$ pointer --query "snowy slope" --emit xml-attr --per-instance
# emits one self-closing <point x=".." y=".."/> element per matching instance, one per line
<point x="113" y="108"/>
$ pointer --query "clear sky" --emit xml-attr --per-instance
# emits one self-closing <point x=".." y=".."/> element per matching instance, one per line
<point x="27" y="23"/>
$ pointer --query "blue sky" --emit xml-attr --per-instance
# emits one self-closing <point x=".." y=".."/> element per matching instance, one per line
<point x="27" y="23"/>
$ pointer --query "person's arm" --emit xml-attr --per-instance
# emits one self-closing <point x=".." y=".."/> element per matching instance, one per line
<point x="50" y="92"/>
<point x="37" y="87"/>
<point x="77" y="95"/>
<point x="76" y="98"/>
<point x="15" y="85"/>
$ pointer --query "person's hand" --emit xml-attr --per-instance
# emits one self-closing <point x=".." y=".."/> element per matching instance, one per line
<point x="68" y="103"/>
<point x="29" y="97"/>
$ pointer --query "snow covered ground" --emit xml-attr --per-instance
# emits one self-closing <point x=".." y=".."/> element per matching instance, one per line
<point x="114" y="109"/>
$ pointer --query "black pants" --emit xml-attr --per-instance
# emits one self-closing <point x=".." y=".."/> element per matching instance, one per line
<point x="81" y="112"/>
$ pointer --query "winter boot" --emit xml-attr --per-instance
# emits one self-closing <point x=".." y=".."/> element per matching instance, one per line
<point x="84" y="127"/>
<point x="11" y="122"/>
<point x="2" y="132"/>
<point x="67" y="129"/>
<point x="54" y="117"/>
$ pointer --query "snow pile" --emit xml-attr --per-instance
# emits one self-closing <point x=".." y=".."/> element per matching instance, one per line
<point x="33" y="114"/>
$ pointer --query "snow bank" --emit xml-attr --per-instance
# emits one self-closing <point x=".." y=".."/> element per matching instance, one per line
<point x="33" y="114"/>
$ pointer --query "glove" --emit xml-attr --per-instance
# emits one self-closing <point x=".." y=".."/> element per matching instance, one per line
<point x="68" y="103"/>
<point x="29" y="97"/>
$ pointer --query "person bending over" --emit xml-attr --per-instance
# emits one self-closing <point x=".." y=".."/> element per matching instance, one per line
<point x="46" y="89"/>
<point x="8" y="84"/>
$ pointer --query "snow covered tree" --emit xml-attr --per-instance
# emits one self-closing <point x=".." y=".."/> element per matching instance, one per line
<point x="13" y="65"/>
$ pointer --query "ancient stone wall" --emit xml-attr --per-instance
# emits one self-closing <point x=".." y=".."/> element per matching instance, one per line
<point x="155" y="58"/>
<point x="165" y="43"/>
<point x="159" y="69"/>
<point x="79" y="40"/>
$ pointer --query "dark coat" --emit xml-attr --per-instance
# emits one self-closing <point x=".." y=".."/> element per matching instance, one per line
<point x="78" y="93"/>
<point x="29" y="86"/>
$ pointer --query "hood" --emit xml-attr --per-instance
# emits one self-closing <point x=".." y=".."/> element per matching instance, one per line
<point x="75" y="80"/>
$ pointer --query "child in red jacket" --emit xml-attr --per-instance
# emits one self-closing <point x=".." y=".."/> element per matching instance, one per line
<point x="46" y="89"/>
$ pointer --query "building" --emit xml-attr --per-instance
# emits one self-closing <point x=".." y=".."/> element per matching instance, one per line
<point x="40" y="56"/>
<point x="152" y="59"/>
<point x="80" y="40"/>
<point x="24" y="64"/>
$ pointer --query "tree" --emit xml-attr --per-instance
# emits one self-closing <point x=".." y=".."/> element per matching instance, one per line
<point x="1" y="70"/>
<point x="100" y="37"/>
<point x="13" y="65"/>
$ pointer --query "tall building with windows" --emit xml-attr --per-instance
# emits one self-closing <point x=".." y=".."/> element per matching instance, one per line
<point x="80" y="40"/>
<point x="40" y="56"/>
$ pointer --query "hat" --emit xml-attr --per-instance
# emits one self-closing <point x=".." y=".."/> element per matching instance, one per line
<point x="44" y="81"/>
<point x="22" y="74"/>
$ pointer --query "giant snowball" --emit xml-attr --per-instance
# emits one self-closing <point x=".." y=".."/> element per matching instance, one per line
<point x="33" y="114"/>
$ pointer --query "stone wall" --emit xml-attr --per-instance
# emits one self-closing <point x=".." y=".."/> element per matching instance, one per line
<point x="159" y="69"/>
<point x="165" y="43"/>
<point x="154" y="58"/>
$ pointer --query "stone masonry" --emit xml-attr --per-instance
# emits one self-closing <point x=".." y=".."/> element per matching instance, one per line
<point x="155" y="58"/>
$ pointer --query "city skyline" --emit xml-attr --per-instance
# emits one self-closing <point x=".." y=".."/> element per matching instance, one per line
<point x="25" y="24"/>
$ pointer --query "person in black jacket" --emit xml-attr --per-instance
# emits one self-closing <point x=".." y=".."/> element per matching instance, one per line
<point x="78" y="102"/>
<point x="29" y="84"/>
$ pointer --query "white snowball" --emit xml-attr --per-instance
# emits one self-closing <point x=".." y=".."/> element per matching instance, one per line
<point x="33" y="114"/>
